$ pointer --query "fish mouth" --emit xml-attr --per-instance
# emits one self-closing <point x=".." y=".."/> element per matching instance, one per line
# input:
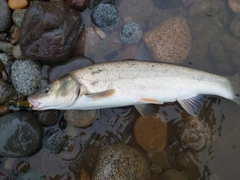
<point x="34" y="104"/>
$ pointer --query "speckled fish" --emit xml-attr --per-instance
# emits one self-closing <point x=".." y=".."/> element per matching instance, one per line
<point x="137" y="83"/>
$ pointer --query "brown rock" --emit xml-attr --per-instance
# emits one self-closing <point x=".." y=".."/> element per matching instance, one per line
<point x="17" y="4"/>
<point x="77" y="4"/>
<point x="234" y="5"/>
<point x="170" y="42"/>
<point x="84" y="175"/>
<point x="151" y="133"/>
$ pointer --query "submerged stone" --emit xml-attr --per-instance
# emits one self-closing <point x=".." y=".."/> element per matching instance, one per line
<point x="105" y="16"/>
<point x="20" y="134"/>
<point x="49" y="30"/>
<point x="131" y="33"/>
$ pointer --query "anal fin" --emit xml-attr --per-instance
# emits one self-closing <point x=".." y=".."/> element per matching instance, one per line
<point x="145" y="110"/>
<point x="192" y="105"/>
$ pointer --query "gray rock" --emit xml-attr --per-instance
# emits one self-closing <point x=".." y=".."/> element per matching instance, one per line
<point x="17" y="53"/>
<point x="6" y="61"/>
<point x="230" y="43"/>
<point x="235" y="26"/>
<point x="6" y="47"/>
<point x="25" y="76"/>
<point x="217" y="52"/>
<point x="48" y="118"/>
<point x="54" y="140"/>
<point x="36" y="175"/>
<point x="5" y="16"/>
<point x="6" y="92"/>
<point x="20" y="134"/>
<point x="80" y="118"/>
<point x="119" y="162"/>
<point x="17" y="16"/>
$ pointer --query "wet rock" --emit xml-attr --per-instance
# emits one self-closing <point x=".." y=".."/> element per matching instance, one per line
<point x="80" y="118"/>
<point x="77" y="4"/>
<point x="17" y="53"/>
<point x="5" y="16"/>
<point x="120" y="161"/>
<point x="194" y="133"/>
<point x="6" y="60"/>
<point x="48" y="118"/>
<point x="156" y="168"/>
<point x="54" y="72"/>
<point x="217" y="52"/>
<point x="151" y="133"/>
<point x="234" y="5"/>
<point x="163" y="4"/>
<point x="205" y="7"/>
<point x="86" y="43"/>
<point x="160" y="159"/>
<point x="17" y="16"/>
<point x="131" y="33"/>
<point x="25" y="76"/>
<point x="84" y="175"/>
<point x="230" y="43"/>
<point x="22" y="166"/>
<point x="6" y="92"/>
<point x="188" y="159"/>
<point x="173" y="174"/>
<point x="20" y="134"/>
<point x="6" y="47"/>
<point x="105" y="16"/>
<point x="15" y="36"/>
<point x="45" y="35"/>
<point x="35" y="174"/>
<point x="17" y="4"/>
<point x="4" y="110"/>
<point x="170" y="42"/>
<point x="54" y="140"/>
<point x="235" y="26"/>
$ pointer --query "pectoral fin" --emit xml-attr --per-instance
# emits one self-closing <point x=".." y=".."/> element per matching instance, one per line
<point x="102" y="95"/>
<point x="192" y="105"/>
<point x="145" y="110"/>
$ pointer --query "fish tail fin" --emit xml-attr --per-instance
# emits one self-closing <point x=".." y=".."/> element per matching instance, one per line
<point x="235" y="83"/>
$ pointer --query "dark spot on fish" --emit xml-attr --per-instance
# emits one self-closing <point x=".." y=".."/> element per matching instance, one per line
<point x="237" y="95"/>
<point x="96" y="72"/>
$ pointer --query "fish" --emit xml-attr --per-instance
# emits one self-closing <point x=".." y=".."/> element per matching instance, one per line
<point x="133" y="82"/>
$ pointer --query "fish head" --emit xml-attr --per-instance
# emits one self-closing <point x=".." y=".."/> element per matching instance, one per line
<point x="59" y="94"/>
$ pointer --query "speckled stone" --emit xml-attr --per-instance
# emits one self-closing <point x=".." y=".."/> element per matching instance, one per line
<point x="120" y="162"/>
<point x="170" y="42"/>
<point x="25" y="76"/>
<point x="80" y="118"/>
<point x="6" y="91"/>
<point x="17" y="16"/>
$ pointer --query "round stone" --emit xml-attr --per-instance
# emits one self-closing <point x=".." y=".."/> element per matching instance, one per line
<point x="151" y="133"/>
<point x="105" y="16"/>
<point x="80" y="118"/>
<point x="120" y="161"/>
<point x="6" y="92"/>
<point x="5" y="16"/>
<point x="131" y="33"/>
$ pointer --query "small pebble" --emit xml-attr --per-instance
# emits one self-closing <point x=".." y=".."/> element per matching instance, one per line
<point x="105" y="16"/>
<point x="23" y="166"/>
<point x="17" y="53"/>
<point x="6" y="47"/>
<point x="6" y="92"/>
<point x="17" y="4"/>
<point x="54" y="140"/>
<point x="17" y="16"/>
<point x="15" y="35"/>
<point x="131" y="33"/>
<point x="234" y="5"/>
<point x="48" y="118"/>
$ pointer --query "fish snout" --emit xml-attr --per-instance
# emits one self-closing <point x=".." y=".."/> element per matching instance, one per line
<point x="34" y="103"/>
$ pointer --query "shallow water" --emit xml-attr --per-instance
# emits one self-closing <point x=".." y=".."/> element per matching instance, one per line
<point x="217" y="158"/>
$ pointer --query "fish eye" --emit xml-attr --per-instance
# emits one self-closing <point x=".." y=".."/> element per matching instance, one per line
<point x="46" y="90"/>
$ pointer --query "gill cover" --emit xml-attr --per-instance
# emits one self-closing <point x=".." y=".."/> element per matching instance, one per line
<point x="59" y="94"/>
